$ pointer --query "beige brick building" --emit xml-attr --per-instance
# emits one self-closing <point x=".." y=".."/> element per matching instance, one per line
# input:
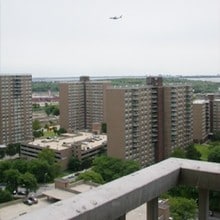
<point x="82" y="145"/>
<point x="216" y="115"/>
<point x="147" y="123"/>
<point x="82" y="103"/>
<point x="15" y="108"/>
<point x="129" y="124"/>
<point x="177" y="118"/>
<point x="201" y="120"/>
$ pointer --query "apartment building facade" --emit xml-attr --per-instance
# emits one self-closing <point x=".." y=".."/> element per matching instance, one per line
<point x="201" y="120"/>
<point x="216" y="115"/>
<point x="178" y="120"/>
<point x="129" y="124"/>
<point x="82" y="103"/>
<point x="213" y="100"/>
<point x="149" y="129"/>
<point x="15" y="108"/>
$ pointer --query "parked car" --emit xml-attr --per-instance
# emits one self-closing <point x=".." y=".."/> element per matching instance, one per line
<point x="33" y="199"/>
<point x="21" y="193"/>
<point x="28" y="201"/>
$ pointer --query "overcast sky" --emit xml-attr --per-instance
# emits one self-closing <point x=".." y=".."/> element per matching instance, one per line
<point x="76" y="37"/>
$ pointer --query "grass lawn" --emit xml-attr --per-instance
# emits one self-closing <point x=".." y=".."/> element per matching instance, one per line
<point x="49" y="134"/>
<point x="204" y="151"/>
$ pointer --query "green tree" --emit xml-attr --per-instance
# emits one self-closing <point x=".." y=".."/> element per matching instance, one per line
<point x="12" y="149"/>
<point x="55" y="130"/>
<point x="179" y="153"/>
<point x="91" y="176"/>
<point x="113" y="168"/>
<point x="46" y="126"/>
<point x="109" y="168"/>
<point x="61" y="131"/>
<point x="11" y="178"/>
<point x="40" y="169"/>
<point x="129" y="166"/>
<point x="182" y="208"/>
<point x="36" y="125"/>
<point x="47" y="110"/>
<point x="74" y="164"/>
<point x="5" y="196"/>
<point x="214" y="154"/>
<point x="38" y="133"/>
<point x="21" y="165"/>
<point x="54" y="171"/>
<point x="35" y="107"/>
<point x="29" y="181"/>
<point x="44" y="86"/>
<point x="2" y="153"/>
<point x="192" y="153"/>
<point x="216" y="136"/>
<point x="86" y="163"/>
<point x="56" y="111"/>
<point x="184" y="191"/>
<point x="4" y="165"/>
<point x="47" y="155"/>
<point x="52" y="110"/>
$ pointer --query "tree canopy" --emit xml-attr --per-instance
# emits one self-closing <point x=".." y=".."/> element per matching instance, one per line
<point x="214" y="154"/>
<point x="182" y="208"/>
<point x="5" y="196"/>
<point x="179" y="153"/>
<point x="29" y="181"/>
<point x="74" y="164"/>
<point x="11" y="178"/>
<point x="113" y="168"/>
<point x="36" y="125"/>
<point x="52" y="110"/>
<point x="192" y="153"/>
<point x="47" y="155"/>
<point x="91" y="176"/>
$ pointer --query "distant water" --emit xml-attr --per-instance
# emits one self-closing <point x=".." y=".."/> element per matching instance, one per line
<point x="209" y="79"/>
<point x="65" y="79"/>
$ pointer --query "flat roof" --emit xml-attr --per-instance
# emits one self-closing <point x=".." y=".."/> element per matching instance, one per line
<point x="66" y="141"/>
<point x="59" y="194"/>
<point x="83" y="187"/>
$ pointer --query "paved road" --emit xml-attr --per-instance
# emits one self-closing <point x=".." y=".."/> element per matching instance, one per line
<point x="15" y="210"/>
<point x="45" y="187"/>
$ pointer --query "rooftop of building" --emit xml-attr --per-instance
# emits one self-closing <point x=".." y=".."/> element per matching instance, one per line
<point x="87" y="139"/>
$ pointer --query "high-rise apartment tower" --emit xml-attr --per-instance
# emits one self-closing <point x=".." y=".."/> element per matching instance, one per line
<point x="82" y="103"/>
<point x="201" y="120"/>
<point x="15" y="108"/>
<point x="129" y="123"/>
<point x="147" y="123"/>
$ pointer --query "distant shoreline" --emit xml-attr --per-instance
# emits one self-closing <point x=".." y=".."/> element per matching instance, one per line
<point x="211" y="78"/>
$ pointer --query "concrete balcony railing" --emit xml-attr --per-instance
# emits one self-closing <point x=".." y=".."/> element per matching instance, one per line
<point x="113" y="200"/>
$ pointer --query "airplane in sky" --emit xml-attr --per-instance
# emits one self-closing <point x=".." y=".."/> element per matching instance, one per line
<point x="116" y="17"/>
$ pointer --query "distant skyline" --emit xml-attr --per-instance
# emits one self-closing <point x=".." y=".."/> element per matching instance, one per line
<point x="69" y="38"/>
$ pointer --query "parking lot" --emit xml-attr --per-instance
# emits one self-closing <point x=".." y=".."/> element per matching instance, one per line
<point x="18" y="209"/>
